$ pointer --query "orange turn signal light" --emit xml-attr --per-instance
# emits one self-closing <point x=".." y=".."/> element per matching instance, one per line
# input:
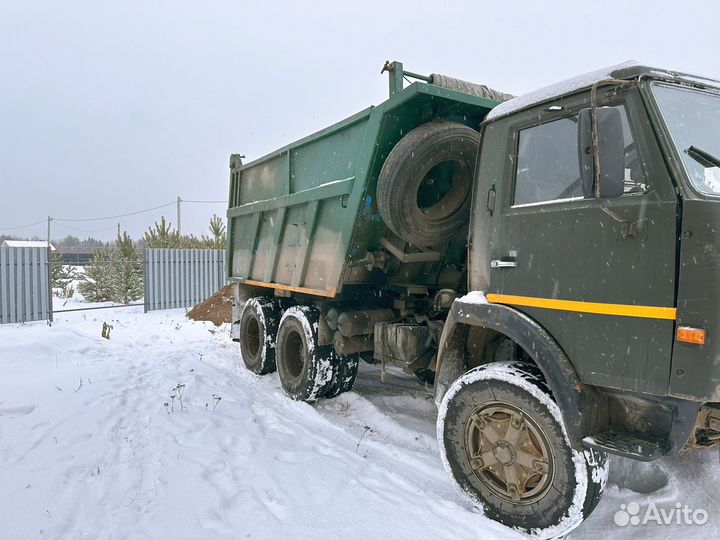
<point x="686" y="334"/>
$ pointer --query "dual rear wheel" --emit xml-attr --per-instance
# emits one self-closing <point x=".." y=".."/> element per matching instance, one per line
<point x="287" y="341"/>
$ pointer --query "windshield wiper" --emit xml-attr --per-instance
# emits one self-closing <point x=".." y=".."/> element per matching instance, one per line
<point x="702" y="157"/>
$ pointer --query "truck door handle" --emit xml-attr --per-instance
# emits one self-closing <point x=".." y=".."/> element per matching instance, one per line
<point x="498" y="263"/>
<point x="490" y="201"/>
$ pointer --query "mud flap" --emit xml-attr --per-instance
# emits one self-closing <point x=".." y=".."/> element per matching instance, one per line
<point x="235" y="325"/>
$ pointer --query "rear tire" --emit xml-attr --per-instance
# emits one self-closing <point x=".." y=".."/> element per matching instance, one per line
<point x="425" y="185"/>
<point x="345" y="370"/>
<point x="503" y="441"/>
<point x="258" y="328"/>
<point x="305" y="368"/>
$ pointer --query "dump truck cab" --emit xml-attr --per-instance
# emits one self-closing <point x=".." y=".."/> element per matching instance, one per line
<point x="623" y="283"/>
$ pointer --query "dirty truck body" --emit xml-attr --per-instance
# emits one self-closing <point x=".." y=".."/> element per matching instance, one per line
<point x="561" y="244"/>
<point x="304" y="218"/>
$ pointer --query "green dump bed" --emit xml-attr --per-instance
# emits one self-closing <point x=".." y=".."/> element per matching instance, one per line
<point x="303" y="219"/>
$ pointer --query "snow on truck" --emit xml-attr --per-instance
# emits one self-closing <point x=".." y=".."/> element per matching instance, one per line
<point x="549" y="262"/>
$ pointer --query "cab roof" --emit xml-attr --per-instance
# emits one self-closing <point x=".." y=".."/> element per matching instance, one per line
<point x="627" y="70"/>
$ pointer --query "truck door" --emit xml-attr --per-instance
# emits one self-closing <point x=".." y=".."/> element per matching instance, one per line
<point x="602" y="283"/>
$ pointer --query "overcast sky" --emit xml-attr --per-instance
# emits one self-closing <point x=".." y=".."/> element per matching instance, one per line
<point x="110" y="107"/>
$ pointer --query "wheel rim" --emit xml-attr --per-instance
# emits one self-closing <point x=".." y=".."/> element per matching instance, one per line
<point x="509" y="453"/>
<point x="444" y="189"/>
<point x="293" y="356"/>
<point x="252" y="337"/>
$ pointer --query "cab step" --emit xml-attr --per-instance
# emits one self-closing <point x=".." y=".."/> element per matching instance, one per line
<point x="629" y="445"/>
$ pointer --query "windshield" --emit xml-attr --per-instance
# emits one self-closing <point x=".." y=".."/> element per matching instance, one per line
<point x="693" y="119"/>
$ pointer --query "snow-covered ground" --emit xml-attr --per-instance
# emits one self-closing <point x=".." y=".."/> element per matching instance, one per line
<point x="88" y="447"/>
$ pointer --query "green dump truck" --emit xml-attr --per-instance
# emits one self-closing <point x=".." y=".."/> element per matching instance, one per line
<point x="549" y="262"/>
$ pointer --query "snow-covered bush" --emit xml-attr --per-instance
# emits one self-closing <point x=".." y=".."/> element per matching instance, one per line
<point x="62" y="276"/>
<point x="97" y="281"/>
<point x="114" y="274"/>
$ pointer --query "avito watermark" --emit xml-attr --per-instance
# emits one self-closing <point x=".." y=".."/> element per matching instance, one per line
<point x="680" y="514"/>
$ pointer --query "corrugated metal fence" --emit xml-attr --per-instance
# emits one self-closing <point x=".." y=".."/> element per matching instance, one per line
<point x="176" y="278"/>
<point x="24" y="284"/>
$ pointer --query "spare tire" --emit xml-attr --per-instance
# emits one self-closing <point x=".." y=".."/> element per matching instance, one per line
<point x="424" y="188"/>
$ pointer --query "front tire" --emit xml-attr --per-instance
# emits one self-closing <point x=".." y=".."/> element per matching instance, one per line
<point x="502" y="439"/>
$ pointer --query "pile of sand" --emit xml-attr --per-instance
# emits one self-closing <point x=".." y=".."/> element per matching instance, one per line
<point x="217" y="309"/>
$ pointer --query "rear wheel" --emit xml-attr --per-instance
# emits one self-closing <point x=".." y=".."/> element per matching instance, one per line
<point x="502" y="439"/>
<point x="305" y="368"/>
<point x="345" y="369"/>
<point x="258" y="326"/>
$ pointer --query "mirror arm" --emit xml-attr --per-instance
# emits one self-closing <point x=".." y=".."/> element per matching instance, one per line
<point x="629" y="229"/>
<point x="595" y="136"/>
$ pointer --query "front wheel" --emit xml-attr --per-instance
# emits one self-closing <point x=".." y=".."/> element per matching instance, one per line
<point x="502" y="439"/>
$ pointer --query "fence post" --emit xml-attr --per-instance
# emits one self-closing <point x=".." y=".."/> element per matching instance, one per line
<point x="49" y="282"/>
<point x="145" y="281"/>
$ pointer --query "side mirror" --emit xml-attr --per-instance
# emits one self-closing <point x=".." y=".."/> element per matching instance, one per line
<point x="611" y="152"/>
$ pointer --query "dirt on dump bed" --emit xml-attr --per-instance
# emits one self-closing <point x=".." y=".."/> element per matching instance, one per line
<point x="217" y="309"/>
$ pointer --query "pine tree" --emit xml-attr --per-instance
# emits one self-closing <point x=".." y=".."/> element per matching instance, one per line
<point x="190" y="242"/>
<point x="97" y="282"/>
<point x="162" y="236"/>
<point x="218" y="239"/>
<point x="61" y="274"/>
<point x="127" y="272"/>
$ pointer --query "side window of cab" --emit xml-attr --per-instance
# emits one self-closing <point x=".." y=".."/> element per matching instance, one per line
<point x="547" y="168"/>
